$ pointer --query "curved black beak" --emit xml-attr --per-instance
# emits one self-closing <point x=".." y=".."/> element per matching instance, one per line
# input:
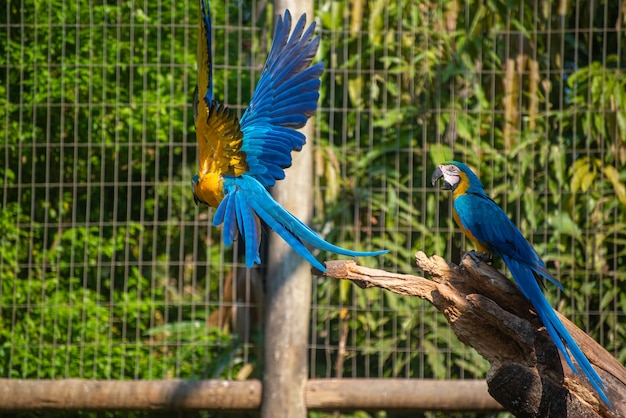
<point x="437" y="174"/>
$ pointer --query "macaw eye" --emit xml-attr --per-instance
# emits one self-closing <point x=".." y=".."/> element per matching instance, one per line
<point x="452" y="170"/>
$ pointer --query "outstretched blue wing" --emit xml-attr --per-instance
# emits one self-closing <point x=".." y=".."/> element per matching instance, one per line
<point x="285" y="98"/>
<point x="240" y="159"/>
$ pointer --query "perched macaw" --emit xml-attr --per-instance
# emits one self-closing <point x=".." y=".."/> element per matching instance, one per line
<point x="492" y="232"/>
<point x="239" y="160"/>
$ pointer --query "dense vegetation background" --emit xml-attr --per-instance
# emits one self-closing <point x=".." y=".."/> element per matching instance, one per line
<point x="108" y="270"/>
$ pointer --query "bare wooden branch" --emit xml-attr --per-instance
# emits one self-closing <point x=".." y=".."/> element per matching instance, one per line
<point x="488" y="312"/>
<point x="181" y="395"/>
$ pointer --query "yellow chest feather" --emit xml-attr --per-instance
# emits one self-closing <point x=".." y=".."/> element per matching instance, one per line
<point x="460" y="191"/>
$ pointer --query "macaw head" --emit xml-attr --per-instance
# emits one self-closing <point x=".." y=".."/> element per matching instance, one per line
<point x="194" y="183"/>
<point x="456" y="174"/>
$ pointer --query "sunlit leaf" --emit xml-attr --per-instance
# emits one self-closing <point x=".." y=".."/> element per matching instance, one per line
<point x="563" y="223"/>
<point x="620" y="189"/>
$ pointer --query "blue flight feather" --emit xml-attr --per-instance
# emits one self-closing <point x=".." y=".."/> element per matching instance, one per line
<point x="248" y="227"/>
<point x="488" y="223"/>
<point x="206" y="14"/>
<point x="285" y="97"/>
<point x="227" y="214"/>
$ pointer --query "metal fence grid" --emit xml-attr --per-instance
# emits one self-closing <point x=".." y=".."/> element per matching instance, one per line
<point x="109" y="271"/>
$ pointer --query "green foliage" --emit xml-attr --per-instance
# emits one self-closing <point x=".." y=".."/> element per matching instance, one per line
<point x="98" y="156"/>
<point x="105" y="271"/>
<point x="415" y="85"/>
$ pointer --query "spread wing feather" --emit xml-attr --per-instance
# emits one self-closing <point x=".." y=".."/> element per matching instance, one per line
<point x="240" y="159"/>
<point x="217" y="130"/>
<point x="285" y="97"/>
<point x="204" y="86"/>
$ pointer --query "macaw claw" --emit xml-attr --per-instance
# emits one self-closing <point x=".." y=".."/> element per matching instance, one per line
<point x="478" y="257"/>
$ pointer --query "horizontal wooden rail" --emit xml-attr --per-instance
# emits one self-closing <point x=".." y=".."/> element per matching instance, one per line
<point x="321" y="394"/>
<point x="405" y="394"/>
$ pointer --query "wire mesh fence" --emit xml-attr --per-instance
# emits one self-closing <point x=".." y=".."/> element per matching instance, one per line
<point x="109" y="270"/>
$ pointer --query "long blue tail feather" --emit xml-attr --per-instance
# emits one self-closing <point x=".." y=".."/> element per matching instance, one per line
<point x="252" y="201"/>
<point x="543" y="272"/>
<point x="226" y="214"/>
<point x="525" y="277"/>
<point x="249" y="227"/>
<point x="300" y="229"/>
<point x="289" y="238"/>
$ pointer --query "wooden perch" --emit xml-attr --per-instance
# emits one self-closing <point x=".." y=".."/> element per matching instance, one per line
<point x="487" y="311"/>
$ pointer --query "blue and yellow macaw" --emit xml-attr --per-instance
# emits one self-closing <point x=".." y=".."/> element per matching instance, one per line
<point x="492" y="232"/>
<point x="239" y="160"/>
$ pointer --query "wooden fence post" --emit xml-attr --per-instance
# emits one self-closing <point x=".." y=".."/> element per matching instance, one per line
<point x="289" y="281"/>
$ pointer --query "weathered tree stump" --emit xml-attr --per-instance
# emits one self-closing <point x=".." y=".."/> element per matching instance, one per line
<point x="488" y="312"/>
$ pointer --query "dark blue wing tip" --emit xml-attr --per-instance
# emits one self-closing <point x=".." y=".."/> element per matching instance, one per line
<point x="299" y="24"/>
<point x="301" y="19"/>
<point x="206" y="13"/>
<point x="286" y="21"/>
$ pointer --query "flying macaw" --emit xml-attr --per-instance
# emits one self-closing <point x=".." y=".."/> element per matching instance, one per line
<point x="492" y="232"/>
<point x="239" y="160"/>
